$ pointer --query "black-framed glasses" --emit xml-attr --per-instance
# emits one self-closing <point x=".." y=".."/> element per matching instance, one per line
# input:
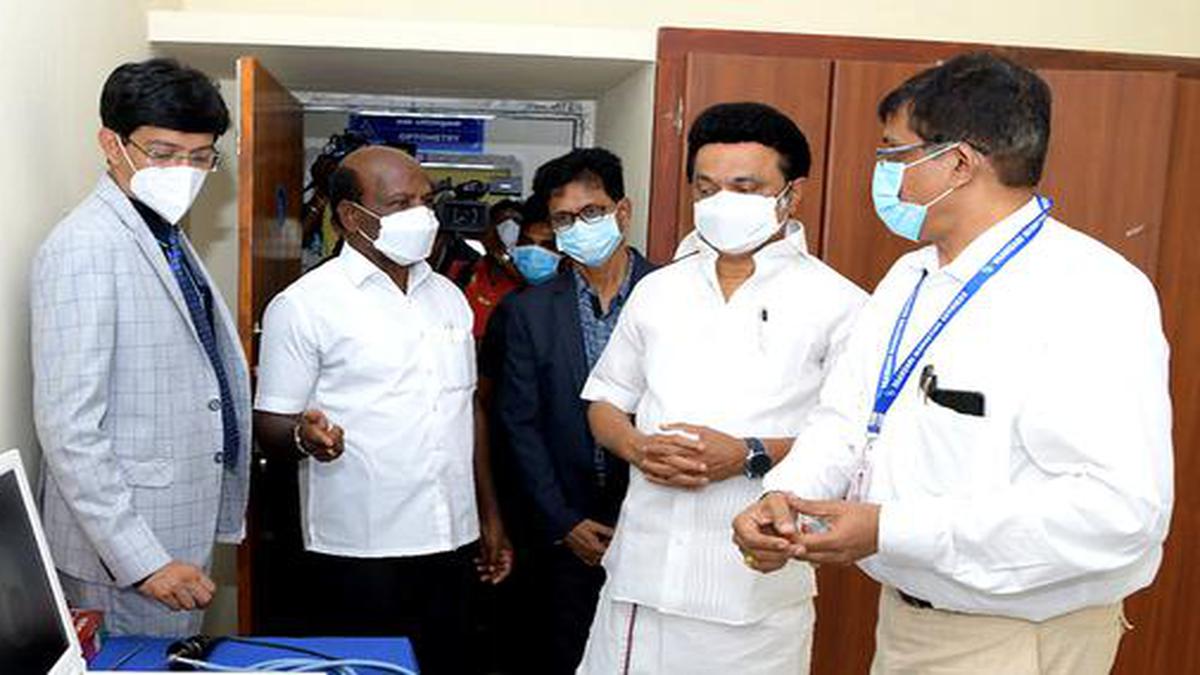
<point x="591" y="214"/>
<point x="206" y="159"/>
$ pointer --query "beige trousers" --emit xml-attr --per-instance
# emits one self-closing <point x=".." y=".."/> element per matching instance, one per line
<point x="912" y="641"/>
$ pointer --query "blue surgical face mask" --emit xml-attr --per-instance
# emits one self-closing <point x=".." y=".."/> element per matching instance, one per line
<point x="536" y="263"/>
<point x="590" y="244"/>
<point x="902" y="218"/>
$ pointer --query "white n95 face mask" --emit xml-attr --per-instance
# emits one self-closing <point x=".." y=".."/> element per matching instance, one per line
<point x="736" y="222"/>
<point x="509" y="232"/>
<point x="169" y="190"/>
<point x="406" y="237"/>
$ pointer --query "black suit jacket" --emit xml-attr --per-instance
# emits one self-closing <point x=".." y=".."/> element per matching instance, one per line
<point x="542" y="416"/>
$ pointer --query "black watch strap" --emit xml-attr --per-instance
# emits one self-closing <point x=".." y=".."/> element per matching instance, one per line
<point x="758" y="460"/>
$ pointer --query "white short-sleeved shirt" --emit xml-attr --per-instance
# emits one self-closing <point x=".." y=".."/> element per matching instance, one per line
<point x="749" y="367"/>
<point x="1057" y="497"/>
<point x="396" y="371"/>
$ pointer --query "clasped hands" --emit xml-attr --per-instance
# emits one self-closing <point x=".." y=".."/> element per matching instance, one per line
<point x="770" y="531"/>
<point x="688" y="456"/>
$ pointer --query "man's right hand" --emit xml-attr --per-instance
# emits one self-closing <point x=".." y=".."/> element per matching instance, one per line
<point x="321" y="439"/>
<point x="180" y="586"/>
<point x="673" y="460"/>
<point x="765" y="532"/>
<point x="589" y="540"/>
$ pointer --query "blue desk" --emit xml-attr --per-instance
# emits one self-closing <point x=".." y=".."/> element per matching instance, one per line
<point x="151" y="653"/>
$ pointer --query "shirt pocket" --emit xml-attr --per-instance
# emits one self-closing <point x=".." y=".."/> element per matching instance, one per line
<point x="455" y="352"/>
<point x="148" y="473"/>
<point x="954" y="447"/>
<point x="786" y="351"/>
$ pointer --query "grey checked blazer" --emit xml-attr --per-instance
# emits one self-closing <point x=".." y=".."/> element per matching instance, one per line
<point x="126" y="403"/>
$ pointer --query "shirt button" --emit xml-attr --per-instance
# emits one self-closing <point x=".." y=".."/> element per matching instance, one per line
<point x="214" y="404"/>
<point x="218" y="458"/>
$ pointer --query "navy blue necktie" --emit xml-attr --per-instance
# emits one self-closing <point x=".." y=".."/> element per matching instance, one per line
<point x="204" y="328"/>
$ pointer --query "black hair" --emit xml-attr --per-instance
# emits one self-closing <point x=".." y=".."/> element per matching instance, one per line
<point x="502" y="206"/>
<point x="534" y="210"/>
<point x="997" y="106"/>
<point x="589" y="164"/>
<point x="344" y="186"/>
<point x="749" y="122"/>
<point x="162" y="93"/>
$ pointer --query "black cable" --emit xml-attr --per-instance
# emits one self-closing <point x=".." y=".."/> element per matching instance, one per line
<point x="279" y="645"/>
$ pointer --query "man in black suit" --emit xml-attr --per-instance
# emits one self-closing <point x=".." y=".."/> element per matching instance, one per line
<point x="554" y="334"/>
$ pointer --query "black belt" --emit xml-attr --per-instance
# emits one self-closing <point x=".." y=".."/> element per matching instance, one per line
<point x="912" y="601"/>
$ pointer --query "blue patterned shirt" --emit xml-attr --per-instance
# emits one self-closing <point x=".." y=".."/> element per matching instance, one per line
<point x="597" y="327"/>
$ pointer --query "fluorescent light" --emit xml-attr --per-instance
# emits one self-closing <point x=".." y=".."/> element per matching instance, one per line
<point x="460" y="165"/>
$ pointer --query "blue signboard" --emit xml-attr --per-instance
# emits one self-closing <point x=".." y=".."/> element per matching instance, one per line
<point x="463" y="135"/>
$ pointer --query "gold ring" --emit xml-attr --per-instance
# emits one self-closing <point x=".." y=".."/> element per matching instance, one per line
<point x="749" y="559"/>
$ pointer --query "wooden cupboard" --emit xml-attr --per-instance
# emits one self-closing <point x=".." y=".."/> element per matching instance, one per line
<point x="1123" y="166"/>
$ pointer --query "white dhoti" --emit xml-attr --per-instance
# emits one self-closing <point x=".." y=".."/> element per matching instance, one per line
<point x="628" y="639"/>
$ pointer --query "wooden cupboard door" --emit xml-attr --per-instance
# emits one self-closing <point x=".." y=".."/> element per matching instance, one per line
<point x="1110" y="144"/>
<point x="856" y="243"/>
<point x="797" y="87"/>
<point x="1164" y="617"/>
<point x="270" y="172"/>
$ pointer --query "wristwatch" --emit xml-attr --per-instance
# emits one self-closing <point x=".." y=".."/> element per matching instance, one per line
<point x="758" y="462"/>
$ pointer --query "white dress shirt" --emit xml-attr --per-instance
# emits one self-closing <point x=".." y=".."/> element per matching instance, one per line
<point x="396" y="371"/>
<point x="751" y="366"/>
<point x="1058" y="497"/>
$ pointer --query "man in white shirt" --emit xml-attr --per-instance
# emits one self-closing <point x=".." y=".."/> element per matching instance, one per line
<point x="368" y="374"/>
<point x="1018" y="485"/>
<point x="719" y="357"/>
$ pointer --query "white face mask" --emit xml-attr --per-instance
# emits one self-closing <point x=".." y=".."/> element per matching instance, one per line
<point x="406" y="237"/>
<point x="508" y="231"/>
<point x="169" y="190"/>
<point x="736" y="222"/>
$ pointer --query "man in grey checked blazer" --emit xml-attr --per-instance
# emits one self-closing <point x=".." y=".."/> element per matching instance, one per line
<point x="142" y="410"/>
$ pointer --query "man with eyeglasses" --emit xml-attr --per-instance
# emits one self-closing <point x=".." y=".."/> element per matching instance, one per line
<point x="711" y="372"/>
<point x="994" y="447"/>
<point x="555" y="332"/>
<point x="141" y="391"/>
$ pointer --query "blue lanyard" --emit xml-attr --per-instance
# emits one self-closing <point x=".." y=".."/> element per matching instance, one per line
<point x="891" y="378"/>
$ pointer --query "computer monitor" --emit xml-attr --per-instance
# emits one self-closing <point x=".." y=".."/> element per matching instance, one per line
<point x="36" y="634"/>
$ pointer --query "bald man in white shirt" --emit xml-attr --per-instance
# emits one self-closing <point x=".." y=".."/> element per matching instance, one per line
<point x="719" y="357"/>
<point x="367" y="377"/>
<point x="1000" y="422"/>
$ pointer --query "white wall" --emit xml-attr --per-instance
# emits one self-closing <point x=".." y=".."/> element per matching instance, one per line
<point x="1151" y="26"/>
<point x="212" y="222"/>
<point x="624" y="124"/>
<point x="56" y="55"/>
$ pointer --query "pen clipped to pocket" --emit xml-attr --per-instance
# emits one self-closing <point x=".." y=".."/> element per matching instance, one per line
<point x="963" y="402"/>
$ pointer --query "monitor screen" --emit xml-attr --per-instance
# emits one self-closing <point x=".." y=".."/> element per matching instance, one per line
<point x="32" y="639"/>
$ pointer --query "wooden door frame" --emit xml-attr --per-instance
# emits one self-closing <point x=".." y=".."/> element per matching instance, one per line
<point x="253" y="168"/>
<point x="674" y="45"/>
<point x="245" y="318"/>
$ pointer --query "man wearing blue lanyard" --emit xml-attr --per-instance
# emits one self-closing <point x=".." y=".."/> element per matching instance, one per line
<point x="994" y="446"/>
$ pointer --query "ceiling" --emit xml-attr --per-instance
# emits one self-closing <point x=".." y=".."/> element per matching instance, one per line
<point x="415" y="73"/>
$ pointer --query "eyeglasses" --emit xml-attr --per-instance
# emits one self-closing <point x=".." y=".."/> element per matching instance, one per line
<point x="206" y="159"/>
<point x="897" y="150"/>
<point x="561" y="221"/>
